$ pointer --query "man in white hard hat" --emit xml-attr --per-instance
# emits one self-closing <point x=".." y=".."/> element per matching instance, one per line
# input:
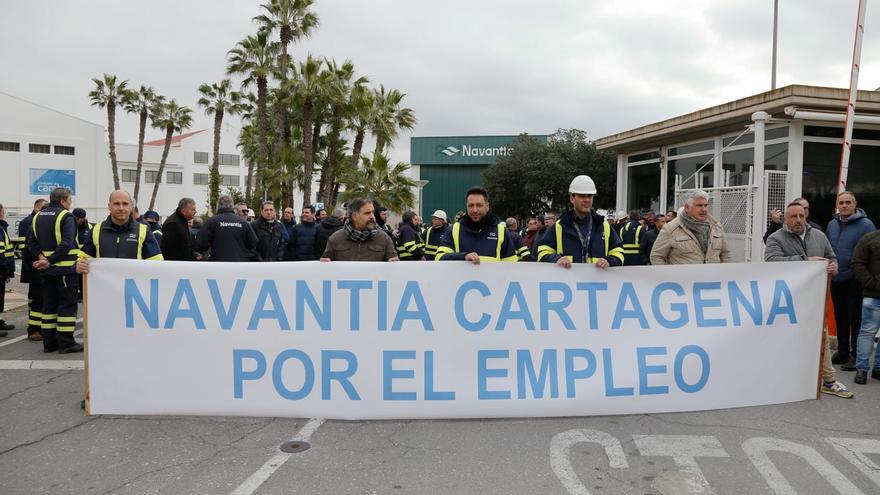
<point x="435" y="233"/>
<point x="581" y="235"/>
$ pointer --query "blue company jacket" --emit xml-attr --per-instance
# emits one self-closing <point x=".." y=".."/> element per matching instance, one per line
<point x="563" y="240"/>
<point x="488" y="239"/>
<point x="844" y="235"/>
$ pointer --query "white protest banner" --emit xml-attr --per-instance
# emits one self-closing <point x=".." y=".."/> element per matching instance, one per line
<point x="448" y="339"/>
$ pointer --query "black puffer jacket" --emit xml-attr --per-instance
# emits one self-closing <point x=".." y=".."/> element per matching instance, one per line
<point x="325" y="230"/>
<point x="271" y="239"/>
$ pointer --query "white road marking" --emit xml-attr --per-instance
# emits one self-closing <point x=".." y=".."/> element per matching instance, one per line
<point x="855" y="449"/>
<point x="40" y="364"/>
<point x="22" y="337"/>
<point x="254" y="482"/>
<point x="560" y="456"/>
<point x="756" y="449"/>
<point x="684" y="449"/>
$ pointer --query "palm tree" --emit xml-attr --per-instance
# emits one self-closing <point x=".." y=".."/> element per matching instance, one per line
<point x="253" y="57"/>
<point x="363" y="111"/>
<point x="340" y="82"/>
<point x="107" y="94"/>
<point x="389" y="186"/>
<point x="293" y="21"/>
<point x="171" y="117"/>
<point x="309" y="87"/>
<point x="140" y="102"/>
<point x="389" y="117"/>
<point x="218" y="99"/>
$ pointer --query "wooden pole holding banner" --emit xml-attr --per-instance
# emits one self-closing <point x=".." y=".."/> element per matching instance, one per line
<point x="86" y="341"/>
<point x="851" y="104"/>
<point x="829" y="313"/>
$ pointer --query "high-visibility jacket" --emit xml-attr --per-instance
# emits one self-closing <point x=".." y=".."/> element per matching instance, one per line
<point x="7" y="252"/>
<point x="130" y="241"/>
<point x="432" y="240"/>
<point x="54" y="236"/>
<point x="409" y="243"/>
<point x="491" y="242"/>
<point x="631" y="236"/>
<point x="522" y="251"/>
<point x="563" y="240"/>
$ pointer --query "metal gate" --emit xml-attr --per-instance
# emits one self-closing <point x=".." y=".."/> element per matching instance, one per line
<point x="735" y="206"/>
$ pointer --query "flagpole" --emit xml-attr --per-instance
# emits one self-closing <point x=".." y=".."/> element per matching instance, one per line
<point x="851" y="104"/>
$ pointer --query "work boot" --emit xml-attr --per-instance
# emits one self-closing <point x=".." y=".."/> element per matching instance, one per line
<point x="875" y="374"/>
<point x="35" y="337"/>
<point x="838" y="358"/>
<point x="6" y="326"/>
<point x="850" y="365"/>
<point x="71" y="349"/>
<point x="861" y="377"/>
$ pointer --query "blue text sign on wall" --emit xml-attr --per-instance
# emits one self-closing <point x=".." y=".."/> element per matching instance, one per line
<point x="43" y="180"/>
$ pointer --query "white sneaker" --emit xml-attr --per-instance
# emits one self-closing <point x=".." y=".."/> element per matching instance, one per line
<point x="837" y="389"/>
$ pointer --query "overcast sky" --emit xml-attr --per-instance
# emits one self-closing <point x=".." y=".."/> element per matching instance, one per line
<point x="468" y="67"/>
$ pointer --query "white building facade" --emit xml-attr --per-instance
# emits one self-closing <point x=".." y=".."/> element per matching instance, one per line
<point x="42" y="148"/>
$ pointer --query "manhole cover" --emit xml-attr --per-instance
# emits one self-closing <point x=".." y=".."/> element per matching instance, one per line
<point x="294" y="447"/>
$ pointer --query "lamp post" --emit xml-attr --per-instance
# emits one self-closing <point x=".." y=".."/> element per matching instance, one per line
<point x="421" y="183"/>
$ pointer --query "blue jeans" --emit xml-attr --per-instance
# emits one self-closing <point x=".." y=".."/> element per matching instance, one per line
<point x="870" y="324"/>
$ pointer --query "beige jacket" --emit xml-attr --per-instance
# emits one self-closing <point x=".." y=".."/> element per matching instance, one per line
<point x="676" y="245"/>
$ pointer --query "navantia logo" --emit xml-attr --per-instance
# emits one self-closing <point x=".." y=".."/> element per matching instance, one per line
<point x="448" y="150"/>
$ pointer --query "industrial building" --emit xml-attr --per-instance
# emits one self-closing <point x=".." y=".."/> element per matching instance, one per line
<point x="446" y="167"/>
<point x="753" y="154"/>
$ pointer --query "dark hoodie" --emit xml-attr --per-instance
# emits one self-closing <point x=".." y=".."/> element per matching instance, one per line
<point x="844" y="235"/>
<point x="325" y="229"/>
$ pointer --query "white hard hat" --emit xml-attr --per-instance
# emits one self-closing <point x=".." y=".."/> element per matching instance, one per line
<point x="582" y="184"/>
<point x="440" y="214"/>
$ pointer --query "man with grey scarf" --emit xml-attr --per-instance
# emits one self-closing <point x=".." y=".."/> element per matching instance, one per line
<point x="694" y="237"/>
<point x="360" y="238"/>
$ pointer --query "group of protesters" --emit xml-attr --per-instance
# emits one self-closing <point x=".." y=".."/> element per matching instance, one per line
<point x="57" y="246"/>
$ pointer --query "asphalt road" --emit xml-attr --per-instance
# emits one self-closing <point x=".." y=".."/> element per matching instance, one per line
<point x="48" y="445"/>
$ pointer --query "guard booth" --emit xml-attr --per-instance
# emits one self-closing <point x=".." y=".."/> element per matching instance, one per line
<point x="446" y="167"/>
<point x="753" y="155"/>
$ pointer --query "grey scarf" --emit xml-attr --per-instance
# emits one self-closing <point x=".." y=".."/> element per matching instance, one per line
<point x="359" y="235"/>
<point x="700" y="229"/>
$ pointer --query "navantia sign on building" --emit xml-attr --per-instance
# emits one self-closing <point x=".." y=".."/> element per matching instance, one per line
<point x="453" y="164"/>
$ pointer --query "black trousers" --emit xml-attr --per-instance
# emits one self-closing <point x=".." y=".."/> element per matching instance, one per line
<point x="35" y="308"/>
<point x="847" y="299"/>
<point x="2" y="295"/>
<point x="59" y="311"/>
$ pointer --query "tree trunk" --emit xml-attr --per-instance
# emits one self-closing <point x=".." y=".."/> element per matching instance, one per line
<point x="214" y="179"/>
<point x="111" y="136"/>
<point x="263" y="139"/>
<point x="140" y="159"/>
<point x="328" y="172"/>
<point x="308" y="155"/>
<point x="380" y="145"/>
<point x="335" y="194"/>
<point x="356" y="148"/>
<point x="169" y="131"/>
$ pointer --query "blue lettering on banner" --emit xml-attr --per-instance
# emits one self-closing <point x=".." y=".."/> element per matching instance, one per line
<point x="700" y="304"/>
<point x="355" y="287"/>
<point x="608" y="370"/>
<point x="238" y="373"/>
<point x="308" y="374"/>
<point x="225" y="315"/>
<point x="558" y="307"/>
<point x="572" y="374"/>
<point x="704" y="368"/>
<point x="628" y="294"/>
<point x="430" y="393"/>
<point x="305" y="297"/>
<point x="737" y="297"/>
<point x="592" y="289"/>
<point x="389" y="374"/>
<point x="341" y="376"/>
<point x="515" y="293"/>
<point x="184" y="291"/>
<point x="782" y="294"/>
<point x="642" y="354"/>
<point x="525" y="368"/>
<point x="269" y="292"/>
<point x="412" y="293"/>
<point x="133" y="296"/>
<point x="484" y="373"/>
<point x="471" y="326"/>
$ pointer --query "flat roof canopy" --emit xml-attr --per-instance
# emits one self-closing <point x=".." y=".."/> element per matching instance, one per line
<point x="732" y="116"/>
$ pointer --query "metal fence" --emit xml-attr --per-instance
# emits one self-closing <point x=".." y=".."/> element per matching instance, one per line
<point x="735" y="206"/>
